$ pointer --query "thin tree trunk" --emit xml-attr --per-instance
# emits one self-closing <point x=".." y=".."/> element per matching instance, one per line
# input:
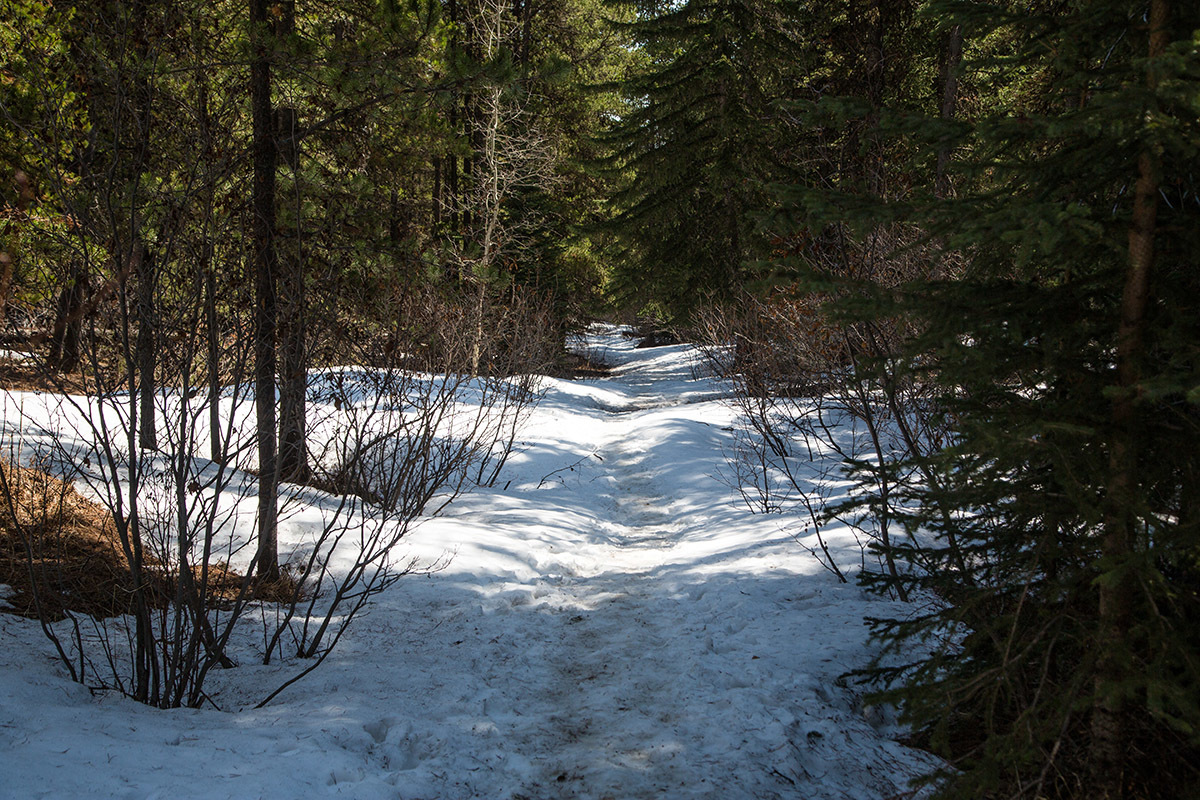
<point x="142" y="261"/>
<point x="146" y="346"/>
<point x="451" y="188"/>
<point x="6" y="275"/>
<point x="293" y="384"/>
<point x="211" y="322"/>
<point x="950" y="64"/>
<point x="523" y="12"/>
<point x="7" y="259"/>
<point x="453" y="201"/>
<point x="437" y="194"/>
<point x="471" y="122"/>
<point x="1110" y="712"/>
<point x="876" y="87"/>
<point x="68" y="323"/>
<point x="485" y="136"/>
<point x="265" y="269"/>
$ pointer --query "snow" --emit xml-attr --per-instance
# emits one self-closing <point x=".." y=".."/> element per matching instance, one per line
<point x="610" y="624"/>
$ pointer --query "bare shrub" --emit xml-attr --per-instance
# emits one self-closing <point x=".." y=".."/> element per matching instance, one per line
<point x="132" y="266"/>
<point x="831" y="421"/>
<point x="395" y="442"/>
<point x="390" y="445"/>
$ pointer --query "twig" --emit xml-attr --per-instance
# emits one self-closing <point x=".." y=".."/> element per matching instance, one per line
<point x="570" y="467"/>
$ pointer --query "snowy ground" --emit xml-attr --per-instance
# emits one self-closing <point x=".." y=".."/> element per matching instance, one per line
<point x="611" y="625"/>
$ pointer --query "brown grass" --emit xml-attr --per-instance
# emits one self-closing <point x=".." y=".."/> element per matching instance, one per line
<point x="573" y="366"/>
<point x="67" y="548"/>
<point x="32" y="376"/>
<point x="64" y="543"/>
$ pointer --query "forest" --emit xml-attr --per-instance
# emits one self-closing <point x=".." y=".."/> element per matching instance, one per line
<point x="265" y="248"/>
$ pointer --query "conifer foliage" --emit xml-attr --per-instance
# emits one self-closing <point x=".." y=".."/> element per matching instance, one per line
<point x="703" y="136"/>
<point x="1058" y="545"/>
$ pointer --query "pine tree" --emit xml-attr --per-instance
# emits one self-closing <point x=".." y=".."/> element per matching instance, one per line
<point x="1058" y="542"/>
<point x="704" y="134"/>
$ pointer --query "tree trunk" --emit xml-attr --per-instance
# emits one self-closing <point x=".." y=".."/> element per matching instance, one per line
<point x="293" y="384"/>
<point x="7" y="259"/>
<point x="876" y="90"/>
<point x="146" y="345"/>
<point x="265" y="269"/>
<point x="437" y="195"/>
<point x="6" y="275"/>
<point x="213" y="342"/>
<point x="523" y="11"/>
<point x="453" y="202"/>
<point x="470" y="114"/>
<point x="1110" y="710"/>
<point x="145" y="264"/>
<point x="950" y="64"/>
<point x="211" y="323"/>
<point x="68" y="323"/>
<point x="485" y="134"/>
<point x="451" y="189"/>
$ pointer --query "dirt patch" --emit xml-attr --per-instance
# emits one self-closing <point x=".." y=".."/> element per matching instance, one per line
<point x="574" y="366"/>
<point x="60" y="543"/>
<point x="32" y="376"/>
<point x="67" y="548"/>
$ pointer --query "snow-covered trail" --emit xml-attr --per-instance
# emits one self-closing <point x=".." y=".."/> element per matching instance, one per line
<point x="618" y="703"/>
<point x="610" y="625"/>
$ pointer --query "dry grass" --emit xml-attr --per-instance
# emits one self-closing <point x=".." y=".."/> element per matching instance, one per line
<point x="62" y="542"/>
<point x="67" y="548"/>
<point x="32" y="376"/>
<point x="573" y="366"/>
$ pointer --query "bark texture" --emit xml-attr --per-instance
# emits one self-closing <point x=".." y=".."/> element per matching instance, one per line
<point x="264" y="261"/>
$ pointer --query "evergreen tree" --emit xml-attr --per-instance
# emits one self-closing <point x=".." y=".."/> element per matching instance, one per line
<point x="704" y="133"/>
<point x="1057" y="540"/>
